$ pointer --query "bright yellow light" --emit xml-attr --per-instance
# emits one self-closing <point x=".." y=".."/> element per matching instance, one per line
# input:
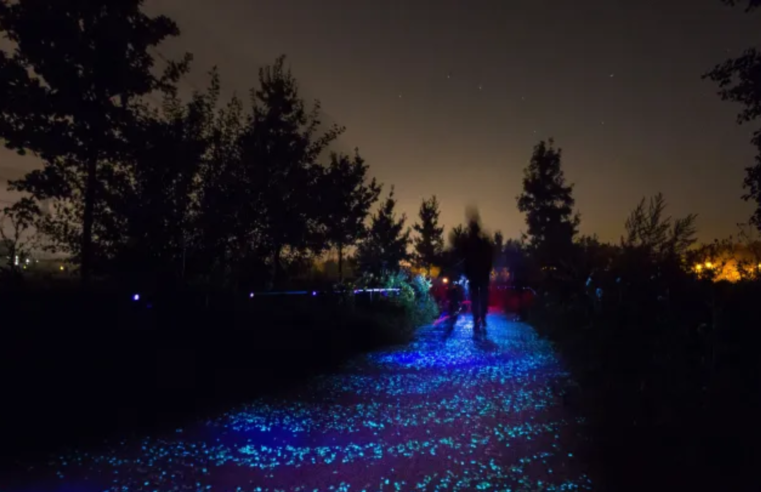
<point x="445" y="280"/>
<point x="60" y="267"/>
<point x="698" y="267"/>
<point x="709" y="264"/>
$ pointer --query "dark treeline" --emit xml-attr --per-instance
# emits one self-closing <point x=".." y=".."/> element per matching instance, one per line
<point x="190" y="204"/>
<point x="143" y="188"/>
<point x="659" y="332"/>
<point x="199" y="191"/>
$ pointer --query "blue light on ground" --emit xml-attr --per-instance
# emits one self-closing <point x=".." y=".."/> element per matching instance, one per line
<point x="443" y="413"/>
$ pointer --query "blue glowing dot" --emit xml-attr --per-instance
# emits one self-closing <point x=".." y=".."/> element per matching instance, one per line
<point x="136" y="297"/>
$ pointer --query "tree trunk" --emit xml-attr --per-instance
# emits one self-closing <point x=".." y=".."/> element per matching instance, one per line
<point x="87" y="223"/>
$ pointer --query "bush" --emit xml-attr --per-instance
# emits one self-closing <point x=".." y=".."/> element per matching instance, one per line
<point x="668" y="368"/>
<point x="414" y="296"/>
<point x="405" y="305"/>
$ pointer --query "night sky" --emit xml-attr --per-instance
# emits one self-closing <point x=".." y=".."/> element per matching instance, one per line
<point x="449" y="97"/>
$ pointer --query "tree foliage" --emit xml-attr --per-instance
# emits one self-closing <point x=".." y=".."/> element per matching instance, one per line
<point x="196" y="190"/>
<point x="282" y="143"/>
<point x="156" y="207"/>
<point x="385" y="246"/>
<point x="660" y="344"/>
<point x="648" y="228"/>
<point x="429" y="243"/>
<point x="458" y="238"/>
<point x="499" y="250"/>
<point x="739" y="81"/>
<point x="516" y="260"/>
<point x="548" y="204"/>
<point x="347" y="196"/>
<point x="750" y="5"/>
<point x="16" y="232"/>
<point x="70" y="86"/>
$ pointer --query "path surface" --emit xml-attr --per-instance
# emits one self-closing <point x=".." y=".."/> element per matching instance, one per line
<point x="444" y="413"/>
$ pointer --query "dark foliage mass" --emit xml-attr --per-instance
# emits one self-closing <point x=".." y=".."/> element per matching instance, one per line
<point x="750" y="5"/>
<point x="663" y="350"/>
<point x="429" y="243"/>
<point x="387" y="241"/>
<point x="71" y="92"/>
<point x="547" y="200"/>
<point x="347" y="201"/>
<point x="739" y="81"/>
<point x="191" y="202"/>
<point x="229" y="195"/>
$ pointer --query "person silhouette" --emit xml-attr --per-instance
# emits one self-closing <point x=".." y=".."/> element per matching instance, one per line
<point x="478" y="266"/>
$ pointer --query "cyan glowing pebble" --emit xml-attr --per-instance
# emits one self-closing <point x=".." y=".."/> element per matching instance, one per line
<point x="441" y="414"/>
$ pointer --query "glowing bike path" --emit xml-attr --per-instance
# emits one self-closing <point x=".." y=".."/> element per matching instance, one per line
<point x="446" y="412"/>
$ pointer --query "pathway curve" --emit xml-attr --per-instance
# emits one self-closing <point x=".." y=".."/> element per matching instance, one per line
<point x="443" y="413"/>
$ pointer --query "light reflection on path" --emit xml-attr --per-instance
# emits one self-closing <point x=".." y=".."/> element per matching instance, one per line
<point x="443" y="413"/>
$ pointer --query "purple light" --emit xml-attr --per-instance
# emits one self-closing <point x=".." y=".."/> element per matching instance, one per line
<point x="251" y="295"/>
<point x="314" y="292"/>
<point x="136" y="297"/>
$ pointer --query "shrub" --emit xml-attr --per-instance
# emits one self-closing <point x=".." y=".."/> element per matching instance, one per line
<point x="411" y="304"/>
<point x="667" y="365"/>
<point x="414" y="296"/>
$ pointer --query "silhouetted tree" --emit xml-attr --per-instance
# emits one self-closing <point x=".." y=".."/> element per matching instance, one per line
<point x="751" y="4"/>
<point x="499" y="250"/>
<point x="68" y="88"/>
<point x="453" y="253"/>
<point x="385" y="246"/>
<point x="281" y="145"/>
<point x="593" y="254"/>
<point x="16" y="231"/>
<point x="517" y="262"/>
<point x="739" y="80"/>
<point x="457" y="240"/>
<point x="228" y="236"/>
<point x="347" y="197"/>
<point x="548" y="204"/>
<point x="650" y="230"/>
<point x="157" y="201"/>
<point x="429" y="243"/>
<point x="456" y="236"/>
<point x="651" y="259"/>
